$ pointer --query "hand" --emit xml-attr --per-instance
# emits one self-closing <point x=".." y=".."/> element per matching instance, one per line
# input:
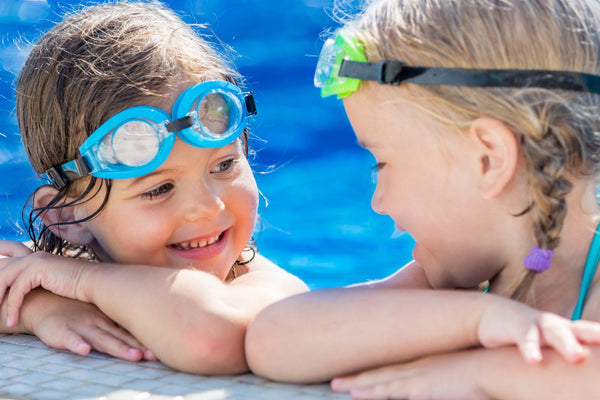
<point x="57" y="274"/>
<point x="530" y="329"/>
<point x="449" y="376"/>
<point x="79" y="327"/>
<point x="10" y="248"/>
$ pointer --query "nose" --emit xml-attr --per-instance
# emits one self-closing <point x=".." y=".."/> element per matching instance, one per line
<point x="203" y="202"/>
<point x="377" y="199"/>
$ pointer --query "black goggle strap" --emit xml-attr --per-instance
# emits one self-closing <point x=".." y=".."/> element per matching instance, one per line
<point x="394" y="72"/>
<point x="58" y="177"/>
<point x="180" y="124"/>
<point x="250" y="103"/>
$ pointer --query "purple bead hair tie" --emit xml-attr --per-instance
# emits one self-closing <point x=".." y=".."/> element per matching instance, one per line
<point x="538" y="259"/>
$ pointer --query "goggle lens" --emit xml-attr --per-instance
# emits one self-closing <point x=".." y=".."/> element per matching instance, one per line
<point x="216" y="114"/>
<point x="326" y="63"/>
<point x="133" y="143"/>
<point x="334" y="51"/>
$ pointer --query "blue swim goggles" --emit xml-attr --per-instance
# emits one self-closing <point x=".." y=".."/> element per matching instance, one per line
<point x="343" y="64"/>
<point x="138" y="140"/>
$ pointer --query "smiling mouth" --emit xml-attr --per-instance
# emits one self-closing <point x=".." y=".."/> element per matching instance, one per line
<point x="196" y="244"/>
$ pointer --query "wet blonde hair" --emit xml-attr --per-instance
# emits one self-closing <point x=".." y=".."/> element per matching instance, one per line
<point x="92" y="65"/>
<point x="558" y="130"/>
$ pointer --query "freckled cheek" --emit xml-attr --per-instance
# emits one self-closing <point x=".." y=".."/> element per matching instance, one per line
<point x="243" y="203"/>
<point x="140" y="237"/>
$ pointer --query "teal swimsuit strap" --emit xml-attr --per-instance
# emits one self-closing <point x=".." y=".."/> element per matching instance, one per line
<point x="588" y="273"/>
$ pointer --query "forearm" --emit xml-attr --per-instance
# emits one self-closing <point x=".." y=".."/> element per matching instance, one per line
<point x="183" y="317"/>
<point x="190" y="320"/>
<point x="323" y="334"/>
<point x="502" y="374"/>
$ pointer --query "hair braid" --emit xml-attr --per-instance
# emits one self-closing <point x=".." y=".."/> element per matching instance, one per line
<point x="547" y="159"/>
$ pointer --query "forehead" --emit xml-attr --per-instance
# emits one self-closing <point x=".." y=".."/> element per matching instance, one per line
<point x="374" y="113"/>
<point x="166" y="101"/>
<point x="387" y="118"/>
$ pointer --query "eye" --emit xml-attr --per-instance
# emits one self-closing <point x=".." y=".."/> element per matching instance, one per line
<point x="158" y="192"/>
<point x="375" y="170"/>
<point x="377" y="167"/>
<point x="224" y="166"/>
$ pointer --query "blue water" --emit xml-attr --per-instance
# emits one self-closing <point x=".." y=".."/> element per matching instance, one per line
<point x="318" y="223"/>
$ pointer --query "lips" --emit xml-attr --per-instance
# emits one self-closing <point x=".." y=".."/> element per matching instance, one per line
<point x="197" y="243"/>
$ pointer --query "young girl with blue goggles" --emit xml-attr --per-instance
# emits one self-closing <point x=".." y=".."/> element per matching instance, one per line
<point x="146" y="219"/>
<point x="483" y="120"/>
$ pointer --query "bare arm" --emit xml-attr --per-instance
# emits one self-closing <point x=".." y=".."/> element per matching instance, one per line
<point x="318" y="335"/>
<point x="68" y="324"/>
<point x="189" y="319"/>
<point x="479" y="374"/>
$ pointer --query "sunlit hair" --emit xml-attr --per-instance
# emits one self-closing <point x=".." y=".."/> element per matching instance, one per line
<point x="558" y="130"/>
<point x="92" y="65"/>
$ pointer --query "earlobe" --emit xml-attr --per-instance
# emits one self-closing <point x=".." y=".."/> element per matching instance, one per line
<point x="60" y="219"/>
<point x="498" y="154"/>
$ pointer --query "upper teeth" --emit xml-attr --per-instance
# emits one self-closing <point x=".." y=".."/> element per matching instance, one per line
<point x="193" y="244"/>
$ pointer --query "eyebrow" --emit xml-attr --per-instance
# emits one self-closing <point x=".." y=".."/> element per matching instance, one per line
<point x="366" y="144"/>
<point x="142" y="178"/>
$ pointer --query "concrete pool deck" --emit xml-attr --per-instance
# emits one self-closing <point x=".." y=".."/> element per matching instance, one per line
<point x="30" y="370"/>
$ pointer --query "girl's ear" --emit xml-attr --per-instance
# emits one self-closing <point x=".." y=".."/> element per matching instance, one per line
<point x="59" y="219"/>
<point x="498" y="154"/>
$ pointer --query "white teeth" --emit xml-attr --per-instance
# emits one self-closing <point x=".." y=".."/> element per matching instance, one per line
<point x="194" y="244"/>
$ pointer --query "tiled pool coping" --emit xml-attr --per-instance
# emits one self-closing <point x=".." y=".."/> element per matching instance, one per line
<point x="30" y="370"/>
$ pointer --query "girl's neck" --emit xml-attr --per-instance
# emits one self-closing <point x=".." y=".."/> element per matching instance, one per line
<point x="557" y="289"/>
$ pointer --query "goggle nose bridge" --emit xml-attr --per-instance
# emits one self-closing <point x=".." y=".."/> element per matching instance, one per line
<point x="180" y="124"/>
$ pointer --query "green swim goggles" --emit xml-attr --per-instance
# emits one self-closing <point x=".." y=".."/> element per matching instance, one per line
<point x="343" y="64"/>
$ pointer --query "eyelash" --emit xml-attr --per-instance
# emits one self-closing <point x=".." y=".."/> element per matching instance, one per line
<point x="158" y="192"/>
<point x="229" y="164"/>
<point x="378" y="167"/>
<point x="375" y="170"/>
<point x="166" y="188"/>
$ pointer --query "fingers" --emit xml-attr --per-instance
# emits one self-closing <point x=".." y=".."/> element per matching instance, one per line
<point x="75" y="343"/>
<point x="107" y="343"/>
<point x="10" y="248"/>
<point x="369" y="378"/>
<point x="376" y="392"/>
<point x="530" y="346"/>
<point x="587" y="331"/>
<point x="120" y="343"/>
<point x="383" y="383"/>
<point x="560" y="334"/>
<point x="18" y="289"/>
<point x="68" y="339"/>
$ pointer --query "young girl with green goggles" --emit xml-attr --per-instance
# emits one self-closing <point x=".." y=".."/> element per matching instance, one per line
<point x="146" y="217"/>
<point x="483" y="120"/>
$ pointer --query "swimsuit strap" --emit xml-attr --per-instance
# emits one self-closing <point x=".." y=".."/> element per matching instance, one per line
<point x="588" y="273"/>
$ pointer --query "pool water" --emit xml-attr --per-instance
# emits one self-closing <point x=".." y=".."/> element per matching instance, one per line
<point x="318" y="223"/>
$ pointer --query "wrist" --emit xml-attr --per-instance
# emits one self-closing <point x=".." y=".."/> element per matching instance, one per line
<point x="35" y="306"/>
<point x="491" y="324"/>
<point x="85" y="288"/>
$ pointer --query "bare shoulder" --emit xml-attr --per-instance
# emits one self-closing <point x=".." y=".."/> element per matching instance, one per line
<point x="591" y="308"/>
<point x="410" y="275"/>
<point x="262" y="271"/>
